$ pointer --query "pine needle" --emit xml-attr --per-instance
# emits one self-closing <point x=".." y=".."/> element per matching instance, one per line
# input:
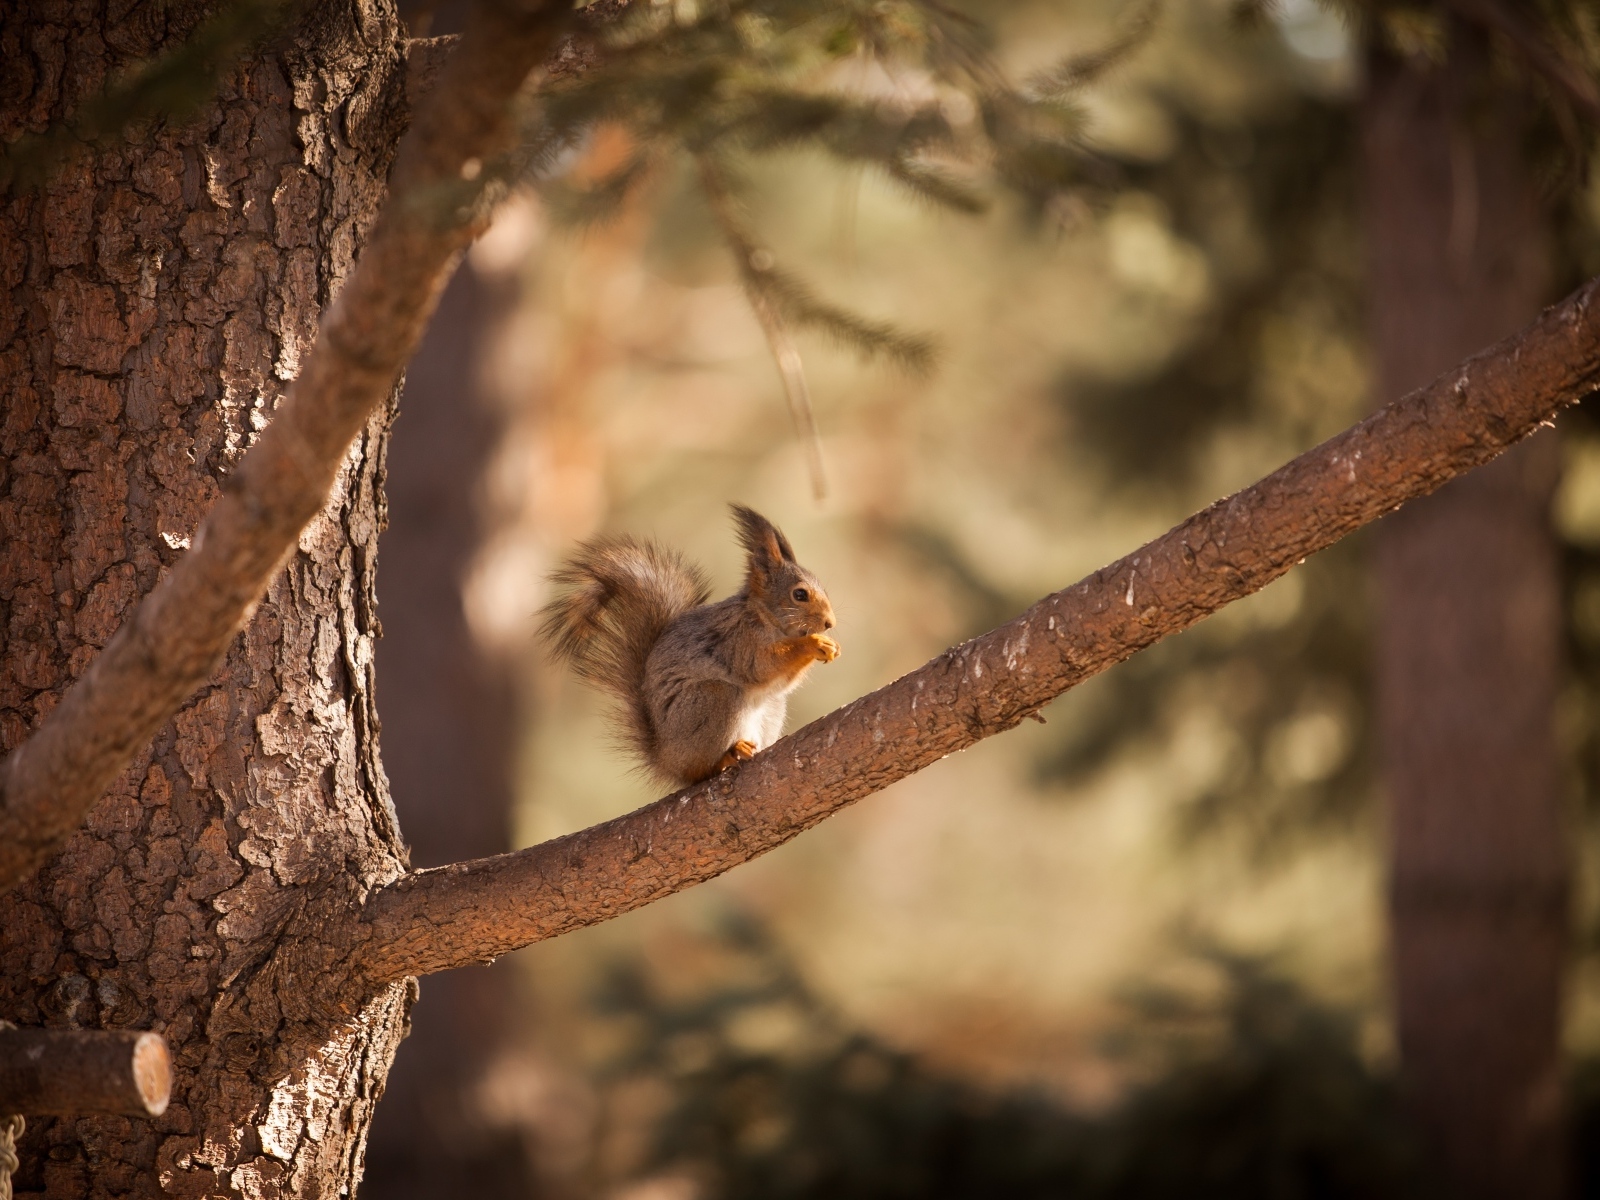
<point x="596" y="204"/>
<point x="791" y="368"/>
<point x="1253" y="14"/>
<point x="930" y="183"/>
<point x="1076" y="72"/>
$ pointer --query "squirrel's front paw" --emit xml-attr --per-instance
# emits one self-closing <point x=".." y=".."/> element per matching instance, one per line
<point x="825" y="647"/>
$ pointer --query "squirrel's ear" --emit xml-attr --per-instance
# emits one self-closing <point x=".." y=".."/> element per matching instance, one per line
<point x="762" y="540"/>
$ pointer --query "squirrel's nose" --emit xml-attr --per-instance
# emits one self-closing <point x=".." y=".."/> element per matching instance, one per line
<point x="828" y="622"/>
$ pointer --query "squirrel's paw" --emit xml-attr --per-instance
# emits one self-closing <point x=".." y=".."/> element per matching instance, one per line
<point x="736" y="753"/>
<point x="825" y="647"/>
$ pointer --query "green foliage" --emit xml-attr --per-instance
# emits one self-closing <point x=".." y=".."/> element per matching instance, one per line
<point x="1288" y="702"/>
<point x="904" y="87"/>
<point x="772" y="75"/>
<point x="1548" y="49"/>
<point x="791" y="299"/>
<point x="1287" y="694"/>
<point x="1255" y="1090"/>
<point x="1581" y="700"/>
<point x="1286" y="175"/>
<point x="1268" y="195"/>
<point x="1066" y="78"/>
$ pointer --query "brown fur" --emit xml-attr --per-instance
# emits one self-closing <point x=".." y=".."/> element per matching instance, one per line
<point x="622" y="593"/>
<point x="700" y="686"/>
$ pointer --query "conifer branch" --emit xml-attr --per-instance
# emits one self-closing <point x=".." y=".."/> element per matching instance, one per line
<point x="778" y="298"/>
<point x="1078" y="71"/>
<point x="173" y="639"/>
<point x="791" y="298"/>
<point x="755" y="266"/>
<point x="471" y="912"/>
<point x="793" y="372"/>
<point x="1543" y="55"/>
<point x="592" y="205"/>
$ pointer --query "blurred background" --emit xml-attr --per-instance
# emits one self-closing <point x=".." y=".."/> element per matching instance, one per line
<point x="1145" y="949"/>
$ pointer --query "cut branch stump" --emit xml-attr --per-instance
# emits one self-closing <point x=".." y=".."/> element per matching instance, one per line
<point x="75" y="1072"/>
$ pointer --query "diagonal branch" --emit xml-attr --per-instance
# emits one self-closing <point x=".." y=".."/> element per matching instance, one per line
<point x="471" y="912"/>
<point x="174" y="639"/>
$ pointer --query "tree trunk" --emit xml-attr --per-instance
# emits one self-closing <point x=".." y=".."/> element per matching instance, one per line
<point x="448" y="709"/>
<point x="1469" y="646"/>
<point x="155" y="301"/>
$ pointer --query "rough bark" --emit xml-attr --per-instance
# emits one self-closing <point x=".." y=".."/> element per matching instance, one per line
<point x="155" y="301"/>
<point x="154" y="305"/>
<point x="176" y="635"/>
<point x="470" y="912"/>
<point x="448" y="709"/>
<point x="1469" y="648"/>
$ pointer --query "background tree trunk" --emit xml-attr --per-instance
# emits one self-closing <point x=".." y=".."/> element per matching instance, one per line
<point x="153" y="305"/>
<point x="449" y="714"/>
<point x="1469" y="646"/>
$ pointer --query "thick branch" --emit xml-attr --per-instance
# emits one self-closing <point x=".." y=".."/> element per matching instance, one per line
<point x="177" y="635"/>
<point x="471" y="912"/>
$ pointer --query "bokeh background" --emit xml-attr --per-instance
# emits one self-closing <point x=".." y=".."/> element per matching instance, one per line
<point x="1139" y="950"/>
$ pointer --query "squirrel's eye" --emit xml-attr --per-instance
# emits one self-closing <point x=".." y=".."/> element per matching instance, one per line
<point x="800" y="595"/>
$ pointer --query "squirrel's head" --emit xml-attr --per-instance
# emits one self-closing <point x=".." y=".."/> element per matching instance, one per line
<point x="787" y="593"/>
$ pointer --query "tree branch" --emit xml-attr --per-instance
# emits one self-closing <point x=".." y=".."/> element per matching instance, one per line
<point x="471" y="912"/>
<point x="70" y="1072"/>
<point x="177" y="635"/>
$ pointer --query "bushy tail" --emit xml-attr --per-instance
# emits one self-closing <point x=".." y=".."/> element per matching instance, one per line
<point x="621" y="593"/>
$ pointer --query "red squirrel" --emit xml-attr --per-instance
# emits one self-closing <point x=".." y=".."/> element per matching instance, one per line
<point x="699" y="686"/>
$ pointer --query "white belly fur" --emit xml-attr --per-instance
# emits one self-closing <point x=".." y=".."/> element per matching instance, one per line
<point x="761" y="722"/>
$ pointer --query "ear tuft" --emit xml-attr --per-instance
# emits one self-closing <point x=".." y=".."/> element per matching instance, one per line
<point x="763" y="542"/>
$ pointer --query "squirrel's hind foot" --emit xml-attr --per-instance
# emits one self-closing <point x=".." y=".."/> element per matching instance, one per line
<point x="736" y="753"/>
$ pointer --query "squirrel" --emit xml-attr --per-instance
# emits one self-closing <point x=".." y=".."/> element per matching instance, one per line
<point x="699" y="686"/>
